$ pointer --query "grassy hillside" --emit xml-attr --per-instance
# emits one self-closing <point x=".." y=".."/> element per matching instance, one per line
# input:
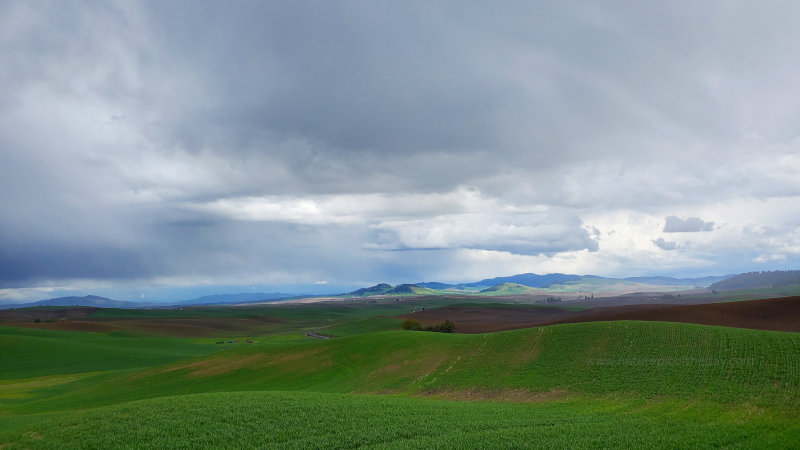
<point x="34" y="353"/>
<point x="313" y="420"/>
<point x="607" y="383"/>
<point x="637" y="359"/>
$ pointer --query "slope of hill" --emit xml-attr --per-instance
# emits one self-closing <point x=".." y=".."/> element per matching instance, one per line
<point x="388" y="289"/>
<point x="378" y="289"/>
<point x="527" y="279"/>
<point x="721" y="365"/>
<point x="436" y="285"/>
<point x="507" y="289"/>
<point x="747" y="280"/>
<point x="410" y="289"/>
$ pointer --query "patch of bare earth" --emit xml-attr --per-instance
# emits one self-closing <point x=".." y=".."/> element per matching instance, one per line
<point x="30" y="314"/>
<point x="198" y="326"/>
<point x="776" y="314"/>
<point x="500" y="395"/>
<point x="470" y="319"/>
<point x="69" y="325"/>
<point x="388" y="369"/>
<point x="34" y="435"/>
<point x="224" y="364"/>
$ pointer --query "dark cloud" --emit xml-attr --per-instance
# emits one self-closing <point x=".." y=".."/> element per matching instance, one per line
<point x="32" y="263"/>
<point x="674" y="224"/>
<point x="123" y="124"/>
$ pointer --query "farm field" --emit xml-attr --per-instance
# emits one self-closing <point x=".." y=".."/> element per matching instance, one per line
<point x="624" y="383"/>
<point x="322" y="420"/>
<point x="777" y="314"/>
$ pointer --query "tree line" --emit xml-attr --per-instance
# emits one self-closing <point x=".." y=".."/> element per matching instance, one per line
<point x="444" y="327"/>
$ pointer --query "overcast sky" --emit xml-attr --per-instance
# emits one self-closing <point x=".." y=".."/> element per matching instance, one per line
<point x="166" y="145"/>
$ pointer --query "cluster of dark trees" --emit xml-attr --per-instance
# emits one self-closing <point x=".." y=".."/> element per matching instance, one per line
<point x="777" y="278"/>
<point x="444" y="327"/>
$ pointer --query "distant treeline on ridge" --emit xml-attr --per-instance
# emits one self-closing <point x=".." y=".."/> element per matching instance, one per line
<point x="776" y="278"/>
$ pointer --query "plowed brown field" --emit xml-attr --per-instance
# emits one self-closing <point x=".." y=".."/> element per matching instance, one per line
<point x="777" y="314"/>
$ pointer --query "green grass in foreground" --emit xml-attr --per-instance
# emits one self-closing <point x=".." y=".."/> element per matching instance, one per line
<point x="314" y="420"/>
<point x="608" y="384"/>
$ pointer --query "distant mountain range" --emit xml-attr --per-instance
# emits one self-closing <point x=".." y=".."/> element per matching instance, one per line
<point x="102" y="302"/>
<point x="525" y="279"/>
<point x="89" y="300"/>
<point x="246" y="297"/>
<point x="528" y="282"/>
<point x="531" y="280"/>
<point x="515" y="284"/>
<point x="544" y="281"/>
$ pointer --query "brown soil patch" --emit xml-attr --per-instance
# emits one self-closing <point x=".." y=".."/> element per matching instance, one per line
<point x="34" y="435"/>
<point x="69" y="325"/>
<point x="777" y="314"/>
<point x="226" y="366"/>
<point x="197" y="327"/>
<point x="31" y="314"/>
<point x="470" y="319"/>
<point x="391" y="368"/>
<point x="500" y="395"/>
<point x="228" y="363"/>
<point x="79" y="319"/>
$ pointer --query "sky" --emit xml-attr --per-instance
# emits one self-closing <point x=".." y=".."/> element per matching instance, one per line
<point x="154" y="150"/>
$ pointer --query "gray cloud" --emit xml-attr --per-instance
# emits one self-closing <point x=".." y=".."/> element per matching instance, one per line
<point x="664" y="244"/>
<point x="674" y="224"/>
<point x="133" y="134"/>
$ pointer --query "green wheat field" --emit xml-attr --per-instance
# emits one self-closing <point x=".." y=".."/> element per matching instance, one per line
<point x="584" y="385"/>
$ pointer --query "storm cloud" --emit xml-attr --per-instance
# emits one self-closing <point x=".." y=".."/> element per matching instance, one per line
<point x="182" y="143"/>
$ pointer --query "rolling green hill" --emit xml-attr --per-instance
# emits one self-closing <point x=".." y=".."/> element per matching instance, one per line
<point x="607" y="383"/>
<point x="639" y="359"/>
<point x="320" y="420"/>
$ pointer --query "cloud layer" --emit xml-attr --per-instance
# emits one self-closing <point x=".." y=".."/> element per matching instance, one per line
<point x="188" y="143"/>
